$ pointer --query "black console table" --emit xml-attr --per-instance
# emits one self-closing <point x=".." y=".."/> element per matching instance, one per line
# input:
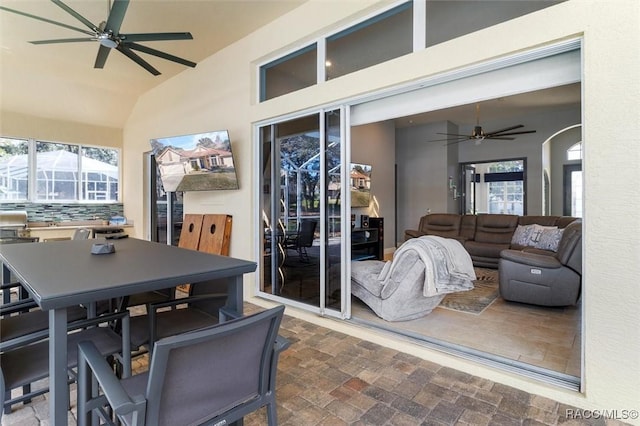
<point x="368" y="243"/>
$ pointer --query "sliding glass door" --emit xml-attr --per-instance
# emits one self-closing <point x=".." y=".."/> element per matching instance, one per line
<point x="301" y="210"/>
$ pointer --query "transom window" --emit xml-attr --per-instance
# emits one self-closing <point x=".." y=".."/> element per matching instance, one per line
<point x="383" y="37"/>
<point x="575" y="152"/>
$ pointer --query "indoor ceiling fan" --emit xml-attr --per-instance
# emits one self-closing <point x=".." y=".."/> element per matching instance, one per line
<point x="109" y="36"/>
<point x="478" y="134"/>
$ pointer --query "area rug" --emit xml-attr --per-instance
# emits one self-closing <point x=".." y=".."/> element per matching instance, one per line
<point x="475" y="301"/>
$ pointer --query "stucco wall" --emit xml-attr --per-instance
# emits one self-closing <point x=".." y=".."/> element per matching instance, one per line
<point x="27" y="126"/>
<point x="220" y="94"/>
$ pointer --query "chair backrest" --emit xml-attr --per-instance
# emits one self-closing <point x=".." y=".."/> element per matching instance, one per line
<point x="306" y="233"/>
<point x="570" y="246"/>
<point x="196" y="376"/>
<point x="495" y="228"/>
<point x="445" y="225"/>
<point x="81" y="234"/>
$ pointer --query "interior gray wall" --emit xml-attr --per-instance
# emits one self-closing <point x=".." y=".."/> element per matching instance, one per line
<point x="374" y="144"/>
<point x="423" y="174"/>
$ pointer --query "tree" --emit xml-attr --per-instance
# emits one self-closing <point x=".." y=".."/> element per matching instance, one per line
<point x="300" y="154"/>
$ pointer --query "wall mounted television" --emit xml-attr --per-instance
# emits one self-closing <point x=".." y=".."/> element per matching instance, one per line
<point x="196" y="162"/>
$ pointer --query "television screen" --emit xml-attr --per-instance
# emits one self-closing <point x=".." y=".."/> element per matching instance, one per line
<point x="198" y="162"/>
<point x="360" y="181"/>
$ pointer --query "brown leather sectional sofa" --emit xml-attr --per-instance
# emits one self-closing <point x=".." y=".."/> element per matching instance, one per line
<point x="483" y="236"/>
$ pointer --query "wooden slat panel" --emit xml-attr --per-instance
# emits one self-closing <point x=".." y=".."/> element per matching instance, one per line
<point x="215" y="237"/>
<point x="191" y="231"/>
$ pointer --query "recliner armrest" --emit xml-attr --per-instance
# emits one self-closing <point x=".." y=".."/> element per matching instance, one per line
<point x="531" y="259"/>
<point x="413" y="233"/>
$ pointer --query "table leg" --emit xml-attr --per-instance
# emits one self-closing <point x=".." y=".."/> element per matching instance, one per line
<point x="235" y="301"/>
<point x="235" y="293"/>
<point x="6" y="279"/>
<point x="58" y="387"/>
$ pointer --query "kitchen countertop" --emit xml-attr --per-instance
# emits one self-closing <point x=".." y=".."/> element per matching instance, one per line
<point x="92" y="224"/>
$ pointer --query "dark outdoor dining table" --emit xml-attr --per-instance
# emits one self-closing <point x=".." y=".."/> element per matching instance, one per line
<point x="62" y="274"/>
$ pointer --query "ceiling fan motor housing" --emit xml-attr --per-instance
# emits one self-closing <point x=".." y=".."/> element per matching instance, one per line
<point x="107" y="40"/>
<point x="477" y="132"/>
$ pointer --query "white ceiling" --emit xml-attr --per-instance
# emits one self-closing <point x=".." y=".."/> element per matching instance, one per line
<point x="58" y="80"/>
<point x="500" y="109"/>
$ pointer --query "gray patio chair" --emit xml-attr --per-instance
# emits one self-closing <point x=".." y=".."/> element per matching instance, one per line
<point x="215" y="375"/>
<point x="23" y="365"/>
<point x="199" y="309"/>
<point x="23" y="323"/>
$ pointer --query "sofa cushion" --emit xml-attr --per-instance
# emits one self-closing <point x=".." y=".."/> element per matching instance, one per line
<point x="491" y="250"/>
<point x="468" y="227"/>
<point x="444" y="225"/>
<point x="495" y="228"/>
<point x="366" y="273"/>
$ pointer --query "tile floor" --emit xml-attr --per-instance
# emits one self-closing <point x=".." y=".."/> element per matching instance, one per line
<point x="329" y="378"/>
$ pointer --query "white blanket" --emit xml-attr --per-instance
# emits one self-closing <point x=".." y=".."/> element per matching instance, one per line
<point x="448" y="266"/>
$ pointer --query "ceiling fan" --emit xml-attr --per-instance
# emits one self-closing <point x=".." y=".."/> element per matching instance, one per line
<point x="478" y="134"/>
<point x="109" y="36"/>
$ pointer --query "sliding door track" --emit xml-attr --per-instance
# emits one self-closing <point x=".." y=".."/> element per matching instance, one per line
<point x="544" y="375"/>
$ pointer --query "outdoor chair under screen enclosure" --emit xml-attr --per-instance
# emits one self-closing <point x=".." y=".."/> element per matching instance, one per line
<point x="302" y="239"/>
<point x="215" y="375"/>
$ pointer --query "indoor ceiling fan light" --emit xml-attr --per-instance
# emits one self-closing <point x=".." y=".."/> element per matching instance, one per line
<point x="478" y="134"/>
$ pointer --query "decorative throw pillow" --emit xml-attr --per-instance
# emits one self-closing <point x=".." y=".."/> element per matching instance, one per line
<point x="522" y="235"/>
<point x="537" y="232"/>
<point x="549" y="239"/>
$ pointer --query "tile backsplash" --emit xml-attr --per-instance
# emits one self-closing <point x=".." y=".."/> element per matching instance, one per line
<point x="58" y="212"/>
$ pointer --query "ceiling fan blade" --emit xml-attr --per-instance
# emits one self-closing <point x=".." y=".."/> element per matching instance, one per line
<point x="155" y="37"/>
<point x="101" y="58"/>
<point x="48" y="21"/>
<point x="137" y="59"/>
<point x="511" y="133"/>
<point x="499" y="137"/>
<point x="76" y="15"/>
<point x="163" y="55"/>
<point x="453" y="134"/>
<point x="458" y="141"/>
<point x="506" y="129"/>
<point x="116" y="16"/>
<point x="62" y="40"/>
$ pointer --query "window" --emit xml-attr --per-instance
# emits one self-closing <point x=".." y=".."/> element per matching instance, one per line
<point x="495" y="187"/>
<point x="379" y="39"/>
<point x="376" y="40"/>
<point x="285" y="75"/>
<point x="505" y="181"/>
<point x="14" y="169"/>
<point x="446" y="20"/>
<point x="59" y="171"/>
<point x="575" y="152"/>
